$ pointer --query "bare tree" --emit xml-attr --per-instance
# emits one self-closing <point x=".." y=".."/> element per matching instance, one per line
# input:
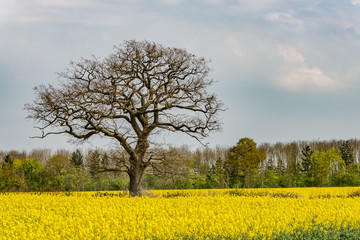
<point x="172" y="163"/>
<point x="139" y="90"/>
<point x="42" y="155"/>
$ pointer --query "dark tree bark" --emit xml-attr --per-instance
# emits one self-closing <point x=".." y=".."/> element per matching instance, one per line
<point x="136" y="174"/>
<point x="139" y="90"/>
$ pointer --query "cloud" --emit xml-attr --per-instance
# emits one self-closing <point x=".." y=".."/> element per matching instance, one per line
<point x="289" y="54"/>
<point x="355" y="2"/>
<point x="298" y="76"/>
<point x="284" y="17"/>
<point x="307" y="79"/>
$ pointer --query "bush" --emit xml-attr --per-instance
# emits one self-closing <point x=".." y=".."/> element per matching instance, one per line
<point x="152" y="182"/>
<point x="183" y="183"/>
<point x="344" y="179"/>
<point x="271" y="179"/>
<point x="286" y="180"/>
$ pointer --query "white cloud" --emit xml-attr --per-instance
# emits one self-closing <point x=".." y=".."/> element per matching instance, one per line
<point x="284" y="17"/>
<point x="289" y="54"/>
<point x="298" y="76"/>
<point x="308" y="79"/>
<point x="355" y="2"/>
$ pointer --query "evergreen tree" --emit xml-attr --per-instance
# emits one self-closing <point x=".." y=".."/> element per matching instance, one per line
<point x="280" y="169"/>
<point x="94" y="163"/>
<point x="105" y="161"/>
<point x="8" y="159"/>
<point x="347" y="153"/>
<point x="270" y="164"/>
<point x="306" y="158"/>
<point x="217" y="176"/>
<point x="77" y="158"/>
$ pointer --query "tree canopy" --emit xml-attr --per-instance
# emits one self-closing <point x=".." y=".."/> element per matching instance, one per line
<point x="245" y="157"/>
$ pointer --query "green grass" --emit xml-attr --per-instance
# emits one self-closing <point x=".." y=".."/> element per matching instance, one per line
<point x="321" y="233"/>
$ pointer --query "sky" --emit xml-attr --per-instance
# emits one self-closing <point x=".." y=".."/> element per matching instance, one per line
<point x="285" y="70"/>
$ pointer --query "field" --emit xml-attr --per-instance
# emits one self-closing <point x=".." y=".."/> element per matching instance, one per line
<point x="293" y="213"/>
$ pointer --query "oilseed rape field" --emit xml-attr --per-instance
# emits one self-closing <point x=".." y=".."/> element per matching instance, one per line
<point x="292" y="213"/>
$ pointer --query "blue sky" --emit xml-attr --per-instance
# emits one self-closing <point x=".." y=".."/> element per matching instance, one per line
<point x="286" y="70"/>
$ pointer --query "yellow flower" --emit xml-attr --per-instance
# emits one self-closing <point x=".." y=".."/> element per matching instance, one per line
<point x="197" y="214"/>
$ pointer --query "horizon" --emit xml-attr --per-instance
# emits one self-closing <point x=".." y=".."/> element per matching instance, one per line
<point x="191" y="148"/>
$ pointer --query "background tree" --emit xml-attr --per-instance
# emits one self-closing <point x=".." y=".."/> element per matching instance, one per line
<point x="200" y="162"/>
<point x="129" y="96"/>
<point x="33" y="174"/>
<point x="94" y="160"/>
<point x="8" y="159"/>
<point x="41" y="155"/>
<point x="270" y="164"/>
<point x="172" y="168"/>
<point x="21" y="155"/>
<point x="326" y="163"/>
<point x="217" y="177"/>
<point x="280" y="169"/>
<point x="280" y="158"/>
<point x="57" y="168"/>
<point x="245" y="157"/>
<point x="11" y="173"/>
<point x="292" y="150"/>
<point x="105" y="161"/>
<point x="347" y="153"/>
<point x="77" y="158"/>
<point x="306" y="158"/>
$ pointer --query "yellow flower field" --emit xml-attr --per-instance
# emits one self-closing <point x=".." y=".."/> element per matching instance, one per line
<point x="178" y="214"/>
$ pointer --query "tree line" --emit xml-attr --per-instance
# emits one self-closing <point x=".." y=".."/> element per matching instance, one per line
<point x="246" y="164"/>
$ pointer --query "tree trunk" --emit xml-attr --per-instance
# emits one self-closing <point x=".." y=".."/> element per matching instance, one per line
<point x="136" y="179"/>
<point x="247" y="178"/>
